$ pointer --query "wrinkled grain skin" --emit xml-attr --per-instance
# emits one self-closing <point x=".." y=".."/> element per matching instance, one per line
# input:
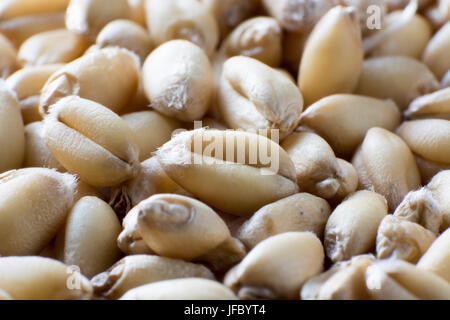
<point x="181" y="289"/>
<point x="399" y="78"/>
<point x="433" y="105"/>
<point x="399" y="42"/>
<point x="21" y="28"/>
<point x="317" y="169"/>
<point x="18" y="8"/>
<point x="182" y="19"/>
<point x="35" y="203"/>
<point x="88" y="239"/>
<point x="349" y="181"/>
<point x="151" y="179"/>
<point x="244" y="187"/>
<point x="12" y="136"/>
<point x="437" y="258"/>
<point x="386" y="165"/>
<point x="37" y="278"/>
<point x="393" y="279"/>
<point x="108" y="76"/>
<point x="167" y="222"/>
<point x="126" y="34"/>
<point x="401" y="239"/>
<point x="56" y="46"/>
<point x="430" y="205"/>
<point x="435" y="55"/>
<point x="138" y="270"/>
<point x="298" y="16"/>
<point x="152" y="130"/>
<point x="37" y="153"/>
<point x="300" y="212"/>
<point x="259" y="275"/>
<point x="178" y="80"/>
<point x="88" y="17"/>
<point x="343" y="281"/>
<point x="263" y="98"/>
<point x="352" y="227"/>
<point x="343" y="119"/>
<point x="130" y="239"/>
<point x="332" y="59"/>
<point x="27" y="84"/>
<point x="429" y="139"/>
<point x="8" y="63"/>
<point x="230" y="13"/>
<point x="91" y="141"/>
<point x="259" y="38"/>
